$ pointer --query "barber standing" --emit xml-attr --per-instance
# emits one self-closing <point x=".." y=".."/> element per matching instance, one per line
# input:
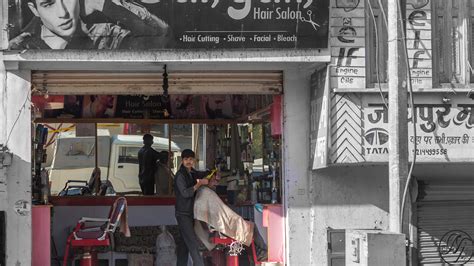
<point x="185" y="187"/>
<point x="147" y="164"/>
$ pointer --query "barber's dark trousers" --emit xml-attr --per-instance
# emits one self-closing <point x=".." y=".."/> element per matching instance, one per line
<point x="190" y="243"/>
<point x="258" y="240"/>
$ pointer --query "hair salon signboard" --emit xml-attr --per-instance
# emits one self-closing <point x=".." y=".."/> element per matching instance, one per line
<point x="172" y="24"/>
<point x="182" y="106"/>
<point x="444" y="129"/>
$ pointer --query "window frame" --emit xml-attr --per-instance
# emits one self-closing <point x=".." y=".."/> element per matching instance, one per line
<point x="465" y="74"/>
<point x="464" y="12"/>
<point x="125" y="147"/>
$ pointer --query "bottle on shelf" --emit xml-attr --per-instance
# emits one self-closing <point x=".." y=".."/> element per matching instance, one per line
<point x="274" y="195"/>
<point x="253" y="193"/>
<point x="44" y="187"/>
<point x="274" y="187"/>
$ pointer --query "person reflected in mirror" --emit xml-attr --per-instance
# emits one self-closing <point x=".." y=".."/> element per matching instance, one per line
<point x="163" y="175"/>
<point x="147" y="161"/>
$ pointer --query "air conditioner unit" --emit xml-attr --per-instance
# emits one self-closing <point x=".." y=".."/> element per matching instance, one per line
<point x="374" y="248"/>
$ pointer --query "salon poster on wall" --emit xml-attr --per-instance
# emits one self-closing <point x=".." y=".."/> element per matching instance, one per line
<point x="181" y="106"/>
<point x="170" y="24"/>
<point x="138" y="107"/>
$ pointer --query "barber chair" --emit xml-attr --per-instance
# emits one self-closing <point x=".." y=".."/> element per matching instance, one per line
<point x="88" y="235"/>
<point x="76" y="188"/>
<point x="235" y="248"/>
<point x="84" y="188"/>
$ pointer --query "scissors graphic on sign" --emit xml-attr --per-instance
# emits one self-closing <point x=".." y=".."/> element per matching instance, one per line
<point x="310" y="20"/>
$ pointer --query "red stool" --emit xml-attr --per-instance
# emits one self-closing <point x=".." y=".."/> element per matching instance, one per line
<point x="235" y="248"/>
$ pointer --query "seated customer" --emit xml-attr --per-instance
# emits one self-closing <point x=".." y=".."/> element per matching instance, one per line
<point x="147" y="157"/>
<point x="210" y="209"/>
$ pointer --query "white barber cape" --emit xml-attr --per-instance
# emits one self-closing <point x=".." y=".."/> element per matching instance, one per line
<point x="209" y="208"/>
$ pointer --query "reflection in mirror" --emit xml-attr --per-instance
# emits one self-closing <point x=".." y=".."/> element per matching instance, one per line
<point x="72" y="157"/>
<point x="242" y="154"/>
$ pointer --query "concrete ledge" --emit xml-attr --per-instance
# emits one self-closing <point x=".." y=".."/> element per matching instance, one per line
<point x="251" y="55"/>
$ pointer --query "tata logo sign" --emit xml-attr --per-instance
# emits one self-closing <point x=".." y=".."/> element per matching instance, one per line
<point x="456" y="247"/>
<point x="376" y="138"/>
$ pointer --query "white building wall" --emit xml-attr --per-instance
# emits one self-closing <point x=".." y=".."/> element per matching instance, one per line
<point x="354" y="197"/>
<point x="16" y="136"/>
<point x="3" y="43"/>
<point x="296" y="165"/>
<point x="3" y="133"/>
<point x="3" y="25"/>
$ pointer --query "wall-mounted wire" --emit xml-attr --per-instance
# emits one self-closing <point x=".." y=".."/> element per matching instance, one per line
<point x="412" y="105"/>
<point x="4" y="103"/>
<point x="384" y="16"/>
<point x="27" y="99"/>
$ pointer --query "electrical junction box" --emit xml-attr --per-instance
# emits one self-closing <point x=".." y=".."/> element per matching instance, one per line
<point x="374" y="247"/>
<point x="5" y="156"/>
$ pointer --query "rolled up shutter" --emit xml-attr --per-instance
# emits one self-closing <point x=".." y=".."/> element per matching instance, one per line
<point x="149" y="83"/>
<point x="443" y="207"/>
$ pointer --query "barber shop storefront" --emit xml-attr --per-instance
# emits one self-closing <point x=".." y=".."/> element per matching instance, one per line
<point x="94" y="141"/>
<point x="231" y="82"/>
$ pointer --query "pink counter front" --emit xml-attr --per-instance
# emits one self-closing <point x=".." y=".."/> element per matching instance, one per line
<point x="274" y="220"/>
<point x="41" y="235"/>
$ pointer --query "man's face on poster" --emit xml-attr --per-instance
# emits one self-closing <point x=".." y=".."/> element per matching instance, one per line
<point x="60" y="16"/>
<point x="107" y="101"/>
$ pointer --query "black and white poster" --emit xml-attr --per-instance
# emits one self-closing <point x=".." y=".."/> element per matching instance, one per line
<point x="167" y="24"/>
<point x="182" y="106"/>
